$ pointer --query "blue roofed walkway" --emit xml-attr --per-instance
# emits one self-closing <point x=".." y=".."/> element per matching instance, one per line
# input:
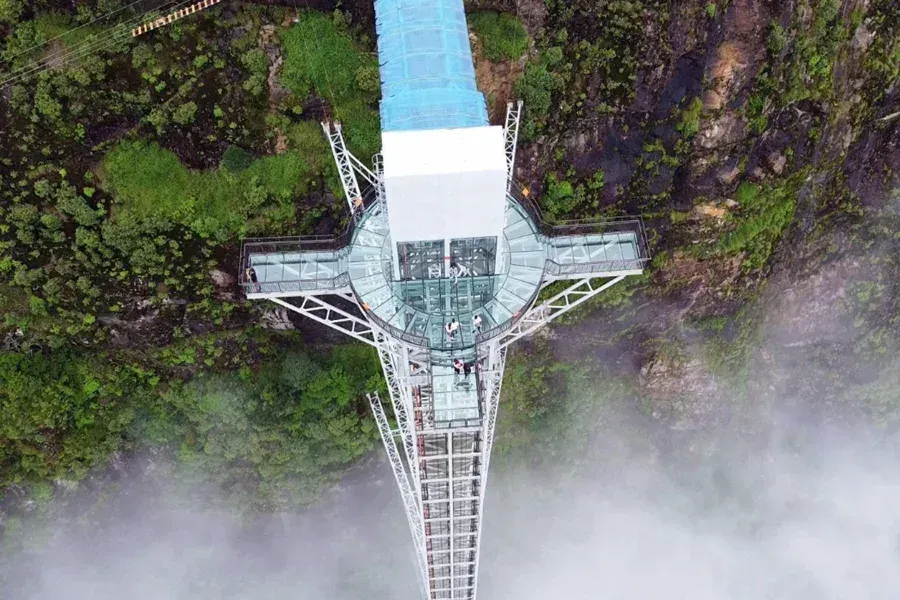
<point x="427" y="75"/>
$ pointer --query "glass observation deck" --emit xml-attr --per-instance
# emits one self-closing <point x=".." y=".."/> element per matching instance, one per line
<point x="418" y="310"/>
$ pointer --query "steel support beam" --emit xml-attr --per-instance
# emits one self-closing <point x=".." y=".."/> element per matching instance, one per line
<point x="410" y="499"/>
<point x="511" y="138"/>
<point x="559" y="304"/>
<point x="344" y="161"/>
<point x="317" y="309"/>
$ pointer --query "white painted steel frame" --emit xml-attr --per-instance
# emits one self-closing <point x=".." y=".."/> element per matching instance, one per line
<point x="407" y="370"/>
<point x="561" y="303"/>
<point x="345" y="163"/>
<point x="511" y="137"/>
<point x="410" y="503"/>
<point x="319" y="310"/>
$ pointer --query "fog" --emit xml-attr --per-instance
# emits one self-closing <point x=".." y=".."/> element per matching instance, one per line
<point x="720" y="518"/>
<point x="775" y="504"/>
<point x="778" y="524"/>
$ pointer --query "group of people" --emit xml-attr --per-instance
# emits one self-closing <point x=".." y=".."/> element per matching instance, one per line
<point x="463" y="368"/>
<point x="452" y="328"/>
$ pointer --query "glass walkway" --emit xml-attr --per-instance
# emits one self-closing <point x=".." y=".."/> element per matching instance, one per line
<point x="419" y="310"/>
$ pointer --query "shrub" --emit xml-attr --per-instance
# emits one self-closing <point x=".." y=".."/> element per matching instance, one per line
<point x="536" y="87"/>
<point x="322" y="59"/>
<point x="185" y="114"/>
<point x="689" y="124"/>
<point x="235" y="159"/>
<point x="502" y="35"/>
<point x="151" y="183"/>
<point x="764" y="215"/>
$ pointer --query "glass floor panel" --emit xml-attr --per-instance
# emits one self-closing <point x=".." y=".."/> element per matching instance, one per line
<point x="518" y="230"/>
<point x="455" y="396"/>
<point x="497" y="311"/>
<point x="526" y="273"/>
<point x="509" y="300"/>
<point x="387" y="309"/>
<point x="528" y="259"/>
<point x="379" y="296"/>
<point x="366" y="285"/>
<point x="526" y="244"/>
<point x="358" y="270"/>
<point x="519" y="288"/>
<point x="365" y="254"/>
<point x="369" y="238"/>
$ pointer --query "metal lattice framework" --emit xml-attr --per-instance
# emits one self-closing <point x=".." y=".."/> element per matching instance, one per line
<point x="345" y="163"/>
<point x="440" y="466"/>
<point x="511" y="138"/>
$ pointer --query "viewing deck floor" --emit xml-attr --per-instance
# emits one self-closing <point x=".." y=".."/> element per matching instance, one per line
<point x="418" y="310"/>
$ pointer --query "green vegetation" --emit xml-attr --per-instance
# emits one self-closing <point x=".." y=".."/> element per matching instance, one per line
<point x="127" y="179"/>
<point x="689" y="123"/>
<point x="764" y="215"/>
<point x="272" y="437"/>
<point x="562" y="200"/>
<point x="801" y="59"/>
<point x="322" y="58"/>
<point x="502" y="35"/>
<point x="150" y="183"/>
<point x="536" y="88"/>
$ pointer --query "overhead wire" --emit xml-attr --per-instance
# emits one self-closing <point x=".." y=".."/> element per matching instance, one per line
<point x="319" y="51"/>
<point x="95" y="43"/>
<point x="83" y="25"/>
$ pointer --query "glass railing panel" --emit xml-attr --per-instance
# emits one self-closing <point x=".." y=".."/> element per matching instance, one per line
<point x="377" y="296"/>
<point x="387" y="308"/>
<point x="402" y="317"/>
<point x="512" y="302"/>
<point x="497" y="311"/>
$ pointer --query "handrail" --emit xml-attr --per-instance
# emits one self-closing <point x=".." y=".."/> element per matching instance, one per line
<point x="306" y="243"/>
<point x="511" y="322"/>
<point x="581" y="226"/>
<point x="332" y="283"/>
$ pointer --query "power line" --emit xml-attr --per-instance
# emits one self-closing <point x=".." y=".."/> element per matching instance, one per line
<point x="99" y="42"/>
<point x="53" y="39"/>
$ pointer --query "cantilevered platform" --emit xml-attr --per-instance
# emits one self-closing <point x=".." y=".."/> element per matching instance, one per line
<point x="417" y="310"/>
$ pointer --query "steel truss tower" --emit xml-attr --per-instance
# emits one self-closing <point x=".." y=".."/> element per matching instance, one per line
<point x="439" y="443"/>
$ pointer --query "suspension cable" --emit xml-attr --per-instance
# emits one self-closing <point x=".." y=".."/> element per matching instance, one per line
<point x="95" y="43"/>
<point x="53" y="39"/>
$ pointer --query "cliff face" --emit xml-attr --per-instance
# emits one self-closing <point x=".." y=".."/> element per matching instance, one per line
<point x="759" y="141"/>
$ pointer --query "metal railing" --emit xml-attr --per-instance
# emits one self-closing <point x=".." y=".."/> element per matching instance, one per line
<point x="556" y="269"/>
<point x="511" y="322"/>
<point x="329" y="284"/>
<point x="626" y="224"/>
<point x="393" y="330"/>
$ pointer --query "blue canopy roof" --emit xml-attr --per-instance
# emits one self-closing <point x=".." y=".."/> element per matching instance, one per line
<point x="427" y="75"/>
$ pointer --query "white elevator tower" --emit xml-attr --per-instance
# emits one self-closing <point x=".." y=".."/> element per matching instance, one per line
<point x="442" y="269"/>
